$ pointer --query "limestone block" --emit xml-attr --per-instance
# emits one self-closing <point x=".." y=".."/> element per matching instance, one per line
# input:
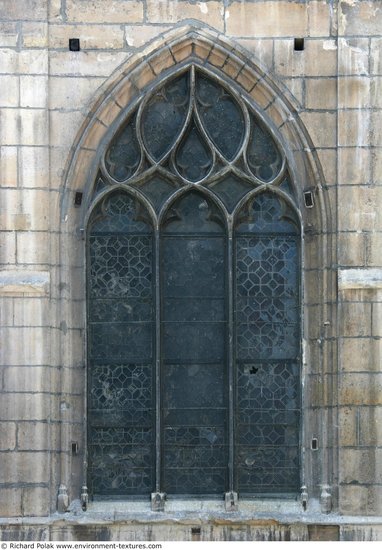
<point x="360" y="354"/>
<point x="87" y="63"/>
<point x="377" y="316"/>
<point x="91" y="37"/>
<point x="354" y="166"/>
<point x="35" y="501"/>
<point x="7" y="436"/>
<point x="267" y="19"/>
<point x="26" y="209"/>
<point x="34" y="167"/>
<point x="8" y="61"/>
<point x="348" y="426"/>
<point x="376" y="56"/>
<point x="109" y="114"/>
<point x="352" y="249"/>
<point x="374" y="250"/>
<point x="321" y="128"/>
<point x="357" y="212"/>
<point x="370" y="426"/>
<point x="8" y="34"/>
<point x="319" y="18"/>
<point x="9" y="132"/>
<point x="33" y="61"/>
<point x="353" y="56"/>
<point x="55" y="13"/>
<point x="34" y="127"/>
<point x="376" y="129"/>
<point x="26" y="406"/>
<point x="138" y="35"/>
<point x="376" y="163"/>
<point x="353" y="92"/>
<point x="319" y="58"/>
<point x="58" y="157"/>
<point x="7" y="247"/>
<point x="162" y="61"/>
<point x="35" y="35"/>
<point x="354" y="128"/>
<point x="33" y="436"/>
<point x="365" y="533"/>
<point x="8" y="166"/>
<point x="34" y="247"/>
<point x="359" y="18"/>
<point x="360" y="388"/>
<point x="355" y="319"/>
<point x="320" y="93"/>
<point x="262" y="49"/>
<point x="376" y="92"/>
<point x="10" y="502"/>
<point x="163" y="11"/>
<point x="35" y="349"/>
<point x="73" y="342"/>
<point x="9" y="91"/>
<point x="30" y="378"/>
<point x="295" y="87"/>
<point x="144" y="76"/>
<point x="359" y="466"/>
<point x="353" y="499"/>
<point x="316" y="394"/>
<point x="33" y="91"/>
<point x="21" y="467"/>
<point x="312" y="254"/>
<point x="328" y="160"/>
<point x="28" y="9"/>
<point x="311" y="285"/>
<point x="94" y="11"/>
<point x="32" y="311"/>
<point x="64" y="126"/>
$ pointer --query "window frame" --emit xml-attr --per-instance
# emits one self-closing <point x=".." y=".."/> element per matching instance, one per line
<point x="230" y="222"/>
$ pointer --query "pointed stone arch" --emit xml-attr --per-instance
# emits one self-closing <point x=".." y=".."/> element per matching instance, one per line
<point x="280" y="112"/>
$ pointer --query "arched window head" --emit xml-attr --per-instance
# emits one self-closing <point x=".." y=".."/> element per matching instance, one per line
<point x="193" y="300"/>
<point x="193" y="129"/>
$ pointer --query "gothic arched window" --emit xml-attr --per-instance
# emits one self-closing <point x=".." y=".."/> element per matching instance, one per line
<point x="193" y="301"/>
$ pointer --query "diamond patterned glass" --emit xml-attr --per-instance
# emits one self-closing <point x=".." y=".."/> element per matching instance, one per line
<point x="267" y="331"/>
<point x="120" y="347"/>
<point x="193" y="331"/>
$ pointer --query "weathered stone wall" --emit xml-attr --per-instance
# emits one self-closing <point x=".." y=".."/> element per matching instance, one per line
<point x="48" y="96"/>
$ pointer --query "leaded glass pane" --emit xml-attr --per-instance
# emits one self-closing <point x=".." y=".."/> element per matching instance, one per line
<point x="267" y="331"/>
<point x="267" y="214"/>
<point x="193" y="214"/>
<point x="193" y="341"/>
<point x="123" y="156"/>
<point x="193" y="157"/>
<point x="231" y="189"/>
<point x="221" y="115"/>
<point x="263" y="156"/>
<point x="120" y="348"/>
<point x="164" y="115"/>
<point x="208" y="144"/>
<point x="157" y="189"/>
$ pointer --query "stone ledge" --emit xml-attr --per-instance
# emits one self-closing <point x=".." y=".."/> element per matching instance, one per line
<point x="20" y="283"/>
<point x="364" y="278"/>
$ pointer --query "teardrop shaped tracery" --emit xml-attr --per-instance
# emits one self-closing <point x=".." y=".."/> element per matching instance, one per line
<point x="263" y="156"/>
<point x="123" y="156"/>
<point x="193" y="158"/>
<point x="164" y="115"/>
<point x="221" y="116"/>
<point x="194" y="130"/>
